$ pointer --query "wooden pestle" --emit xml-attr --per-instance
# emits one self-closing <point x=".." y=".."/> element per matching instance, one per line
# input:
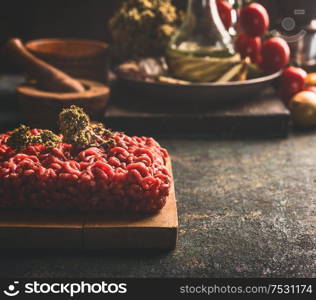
<point x="48" y="77"/>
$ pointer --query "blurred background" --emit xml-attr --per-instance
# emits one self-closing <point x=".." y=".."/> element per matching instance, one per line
<point x="88" y="19"/>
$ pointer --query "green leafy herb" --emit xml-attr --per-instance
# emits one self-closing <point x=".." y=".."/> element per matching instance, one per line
<point x="75" y="127"/>
<point x="48" y="138"/>
<point x="22" y="137"/>
<point x="135" y="21"/>
<point x="77" y="130"/>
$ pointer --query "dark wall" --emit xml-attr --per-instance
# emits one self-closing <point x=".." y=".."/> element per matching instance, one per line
<point x="71" y="18"/>
<point x="45" y="18"/>
<point x="30" y="19"/>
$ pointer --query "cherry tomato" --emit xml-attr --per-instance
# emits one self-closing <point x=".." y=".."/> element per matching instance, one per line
<point x="293" y="79"/>
<point x="254" y="19"/>
<point x="249" y="47"/>
<point x="225" y="12"/>
<point x="292" y="82"/>
<point x="275" y="55"/>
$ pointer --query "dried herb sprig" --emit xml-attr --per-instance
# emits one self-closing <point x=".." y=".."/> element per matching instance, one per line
<point x="75" y="127"/>
<point x="77" y="130"/>
<point x="22" y="137"/>
<point x="48" y="138"/>
<point x="156" y="19"/>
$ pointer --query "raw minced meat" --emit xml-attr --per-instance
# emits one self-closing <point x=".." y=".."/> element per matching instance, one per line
<point x="131" y="176"/>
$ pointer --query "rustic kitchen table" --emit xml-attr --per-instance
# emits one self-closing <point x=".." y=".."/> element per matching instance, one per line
<point x="247" y="208"/>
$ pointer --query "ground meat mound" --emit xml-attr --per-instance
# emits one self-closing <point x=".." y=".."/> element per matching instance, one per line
<point x="131" y="176"/>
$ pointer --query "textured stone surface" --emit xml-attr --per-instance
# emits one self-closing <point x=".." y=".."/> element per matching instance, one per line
<point x="246" y="208"/>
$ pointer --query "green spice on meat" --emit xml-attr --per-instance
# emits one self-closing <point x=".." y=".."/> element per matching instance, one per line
<point x="142" y="28"/>
<point x="49" y="139"/>
<point x="22" y="137"/>
<point x="77" y="130"/>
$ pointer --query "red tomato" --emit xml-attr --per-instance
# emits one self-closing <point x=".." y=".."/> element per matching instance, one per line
<point x="225" y="12"/>
<point x="292" y="82"/>
<point x="275" y="55"/>
<point x="249" y="47"/>
<point x="293" y="79"/>
<point x="254" y="19"/>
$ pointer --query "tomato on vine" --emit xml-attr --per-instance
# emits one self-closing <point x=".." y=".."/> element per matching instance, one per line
<point x="275" y="55"/>
<point x="254" y="20"/>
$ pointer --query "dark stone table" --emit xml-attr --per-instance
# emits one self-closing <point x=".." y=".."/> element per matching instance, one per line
<point x="246" y="209"/>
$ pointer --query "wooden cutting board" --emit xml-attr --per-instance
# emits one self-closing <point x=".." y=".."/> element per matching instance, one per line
<point x="90" y="231"/>
<point x="265" y="116"/>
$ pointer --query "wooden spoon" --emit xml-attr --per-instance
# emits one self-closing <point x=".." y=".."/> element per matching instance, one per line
<point x="48" y="77"/>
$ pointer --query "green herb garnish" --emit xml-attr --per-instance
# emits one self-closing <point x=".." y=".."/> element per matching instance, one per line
<point x="22" y="137"/>
<point x="49" y="139"/>
<point x="77" y="130"/>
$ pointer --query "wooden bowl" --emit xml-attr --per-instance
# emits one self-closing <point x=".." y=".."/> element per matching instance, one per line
<point x="41" y="108"/>
<point x="87" y="59"/>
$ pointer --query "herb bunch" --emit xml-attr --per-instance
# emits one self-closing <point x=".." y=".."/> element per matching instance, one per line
<point x="22" y="137"/>
<point x="135" y="21"/>
<point x="75" y="127"/>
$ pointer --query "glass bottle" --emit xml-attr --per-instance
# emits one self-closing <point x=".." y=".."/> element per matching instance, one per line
<point x="201" y="37"/>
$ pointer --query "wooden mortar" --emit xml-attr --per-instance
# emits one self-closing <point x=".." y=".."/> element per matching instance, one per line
<point x="52" y="90"/>
<point x="41" y="108"/>
<point x="79" y="58"/>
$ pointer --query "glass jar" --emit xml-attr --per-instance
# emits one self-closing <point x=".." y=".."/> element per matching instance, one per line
<point x="201" y="41"/>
